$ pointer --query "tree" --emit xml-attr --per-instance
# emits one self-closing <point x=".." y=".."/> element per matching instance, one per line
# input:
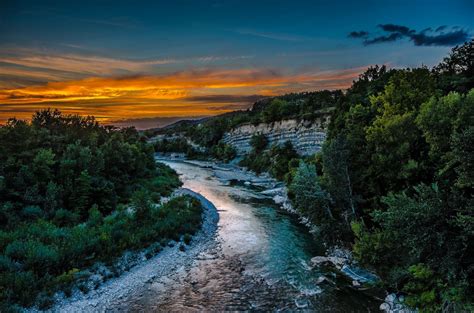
<point x="446" y="123"/>
<point x="436" y="119"/>
<point x="309" y="198"/>
<point x="258" y="142"/>
<point x="52" y="199"/>
<point x="42" y="165"/>
<point x="463" y="157"/>
<point x="336" y="176"/>
<point x="275" y="110"/>
<point x="280" y="157"/>
<point x="223" y="151"/>
<point x="52" y="171"/>
<point x="142" y="204"/>
<point x="82" y="192"/>
<point x="456" y="72"/>
<point x="395" y="142"/>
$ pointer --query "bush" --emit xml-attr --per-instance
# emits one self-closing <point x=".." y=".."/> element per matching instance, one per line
<point x="259" y="142"/>
<point x="67" y="203"/>
<point x="223" y="152"/>
<point x="187" y="239"/>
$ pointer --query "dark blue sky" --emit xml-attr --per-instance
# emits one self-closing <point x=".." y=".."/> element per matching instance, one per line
<point x="303" y="43"/>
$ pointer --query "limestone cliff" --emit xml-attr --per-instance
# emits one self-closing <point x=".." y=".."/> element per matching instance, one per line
<point x="307" y="137"/>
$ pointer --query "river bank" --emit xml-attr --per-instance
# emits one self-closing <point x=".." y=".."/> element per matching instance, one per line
<point x="138" y="270"/>
<point x="338" y="257"/>
<point x="259" y="258"/>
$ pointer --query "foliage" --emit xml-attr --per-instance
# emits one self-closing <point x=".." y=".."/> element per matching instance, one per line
<point x="178" y="145"/>
<point x="66" y="182"/>
<point x="220" y="151"/>
<point x="456" y="72"/>
<point x="223" y="152"/>
<point x="335" y="157"/>
<point x="398" y="168"/>
<point x="259" y="142"/>
<point x="276" y="160"/>
<point x="409" y="137"/>
<point x="276" y="110"/>
<point x="309" y="197"/>
<point x="209" y="132"/>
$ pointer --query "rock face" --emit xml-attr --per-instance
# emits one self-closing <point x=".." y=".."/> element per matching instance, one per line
<point x="307" y="137"/>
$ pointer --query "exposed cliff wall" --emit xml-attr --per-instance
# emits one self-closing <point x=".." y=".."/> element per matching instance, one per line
<point x="307" y="137"/>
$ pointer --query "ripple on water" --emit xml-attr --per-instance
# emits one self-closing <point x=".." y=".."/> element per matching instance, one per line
<point x="261" y="261"/>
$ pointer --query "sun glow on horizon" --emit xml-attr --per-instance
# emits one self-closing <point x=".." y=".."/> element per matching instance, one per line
<point x="186" y="93"/>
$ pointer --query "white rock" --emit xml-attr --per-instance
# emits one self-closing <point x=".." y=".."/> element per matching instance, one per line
<point x="385" y="307"/>
<point x="336" y="261"/>
<point x="279" y="199"/>
<point x="390" y="298"/>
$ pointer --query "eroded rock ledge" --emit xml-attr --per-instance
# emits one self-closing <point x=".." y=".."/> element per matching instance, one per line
<point x="307" y="137"/>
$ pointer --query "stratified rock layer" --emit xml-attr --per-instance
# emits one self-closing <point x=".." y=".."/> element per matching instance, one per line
<point x="307" y="137"/>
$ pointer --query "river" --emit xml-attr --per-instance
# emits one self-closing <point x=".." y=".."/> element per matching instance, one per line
<point x="260" y="260"/>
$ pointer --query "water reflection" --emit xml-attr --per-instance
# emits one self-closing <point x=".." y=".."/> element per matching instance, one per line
<point x="260" y="261"/>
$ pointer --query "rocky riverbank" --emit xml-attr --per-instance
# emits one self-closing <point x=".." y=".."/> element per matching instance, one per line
<point x="133" y="270"/>
<point x="339" y="258"/>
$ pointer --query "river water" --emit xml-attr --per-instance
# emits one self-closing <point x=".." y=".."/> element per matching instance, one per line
<point x="260" y="260"/>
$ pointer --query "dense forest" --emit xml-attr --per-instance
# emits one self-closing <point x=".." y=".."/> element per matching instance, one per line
<point x="394" y="179"/>
<point x="398" y="164"/>
<point x="73" y="193"/>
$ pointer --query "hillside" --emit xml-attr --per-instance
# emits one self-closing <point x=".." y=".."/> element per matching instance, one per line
<point x="394" y="178"/>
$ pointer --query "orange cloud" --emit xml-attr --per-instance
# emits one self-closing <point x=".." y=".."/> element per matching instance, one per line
<point x="174" y="94"/>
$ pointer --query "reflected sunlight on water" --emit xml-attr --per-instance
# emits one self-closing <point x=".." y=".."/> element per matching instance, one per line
<point x="260" y="261"/>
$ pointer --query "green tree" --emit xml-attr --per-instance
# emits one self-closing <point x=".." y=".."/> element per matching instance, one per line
<point x="463" y="157"/>
<point x="52" y="199"/>
<point x="42" y="166"/>
<point x="258" y="142"/>
<point x="142" y="204"/>
<point x="276" y="110"/>
<point x="82" y="192"/>
<point x="456" y="72"/>
<point x="280" y="158"/>
<point x="336" y="176"/>
<point x="309" y="198"/>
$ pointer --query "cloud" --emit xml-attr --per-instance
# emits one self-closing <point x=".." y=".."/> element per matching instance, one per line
<point x="359" y="34"/>
<point x="380" y="39"/>
<point x="426" y="37"/>
<point x="392" y="28"/>
<point x="67" y="66"/>
<point x="198" y="92"/>
<point x="448" y="39"/>
<point x="271" y="35"/>
<point x="225" y="98"/>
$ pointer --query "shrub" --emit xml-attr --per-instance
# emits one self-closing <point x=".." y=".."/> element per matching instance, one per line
<point x="187" y="239"/>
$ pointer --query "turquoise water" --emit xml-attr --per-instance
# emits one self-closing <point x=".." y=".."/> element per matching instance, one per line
<point x="260" y="261"/>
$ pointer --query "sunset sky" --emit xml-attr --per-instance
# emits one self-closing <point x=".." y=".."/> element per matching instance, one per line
<point x="149" y="63"/>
